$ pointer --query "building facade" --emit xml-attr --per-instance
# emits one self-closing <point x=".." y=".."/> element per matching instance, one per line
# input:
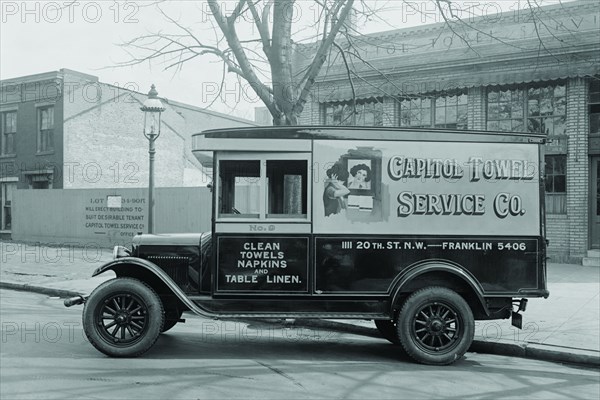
<point x="67" y="130"/>
<point x="530" y="71"/>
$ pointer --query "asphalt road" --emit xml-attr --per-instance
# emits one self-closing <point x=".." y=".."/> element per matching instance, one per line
<point x="44" y="354"/>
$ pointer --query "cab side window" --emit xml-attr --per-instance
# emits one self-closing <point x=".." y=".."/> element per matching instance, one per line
<point x="273" y="186"/>
<point x="287" y="188"/>
<point x="239" y="194"/>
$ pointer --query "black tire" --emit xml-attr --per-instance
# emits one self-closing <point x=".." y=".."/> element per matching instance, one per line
<point x="388" y="330"/>
<point x="123" y="317"/>
<point x="436" y="326"/>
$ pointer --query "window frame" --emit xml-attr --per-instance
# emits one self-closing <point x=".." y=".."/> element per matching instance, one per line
<point x="433" y="109"/>
<point x="40" y="131"/>
<point x="553" y="194"/>
<point x="4" y="134"/>
<point x="523" y="92"/>
<point x="263" y="189"/>
<point x="377" y="101"/>
<point x="3" y="191"/>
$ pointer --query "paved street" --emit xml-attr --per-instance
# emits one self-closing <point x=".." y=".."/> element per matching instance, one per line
<point x="45" y="355"/>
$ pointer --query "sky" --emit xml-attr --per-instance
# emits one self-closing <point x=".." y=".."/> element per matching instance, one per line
<point x="43" y="36"/>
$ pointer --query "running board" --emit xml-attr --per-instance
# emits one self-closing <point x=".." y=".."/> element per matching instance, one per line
<point x="307" y="315"/>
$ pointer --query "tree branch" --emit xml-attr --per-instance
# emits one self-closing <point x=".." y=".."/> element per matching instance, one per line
<point x="320" y="56"/>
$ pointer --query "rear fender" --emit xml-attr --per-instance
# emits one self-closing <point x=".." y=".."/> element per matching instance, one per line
<point x="414" y="272"/>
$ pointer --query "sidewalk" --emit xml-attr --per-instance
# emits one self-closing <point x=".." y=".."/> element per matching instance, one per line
<point x="563" y="328"/>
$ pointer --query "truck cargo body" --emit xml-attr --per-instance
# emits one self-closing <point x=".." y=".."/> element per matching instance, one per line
<point x="422" y="231"/>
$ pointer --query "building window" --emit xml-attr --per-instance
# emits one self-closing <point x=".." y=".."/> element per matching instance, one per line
<point x="537" y="109"/>
<point x="416" y="112"/>
<point x="594" y="105"/>
<point x="8" y="131"/>
<point x="442" y="111"/>
<point x="556" y="184"/>
<point x="46" y="129"/>
<point x="39" y="179"/>
<point x="368" y="113"/>
<point x="6" y="195"/>
<point x="505" y="110"/>
<point x="547" y="110"/>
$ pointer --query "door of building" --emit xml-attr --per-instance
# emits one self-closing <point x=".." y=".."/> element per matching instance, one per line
<point x="595" y="203"/>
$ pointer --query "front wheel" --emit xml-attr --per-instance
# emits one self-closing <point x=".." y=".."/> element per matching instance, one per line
<point x="436" y="326"/>
<point x="123" y="317"/>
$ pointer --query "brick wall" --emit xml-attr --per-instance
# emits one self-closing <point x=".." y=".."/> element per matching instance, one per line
<point x="390" y="115"/>
<point x="568" y="234"/>
<point x="557" y="231"/>
<point x="310" y="114"/>
<point x="476" y="108"/>
<point x="105" y="147"/>
<point x="577" y="167"/>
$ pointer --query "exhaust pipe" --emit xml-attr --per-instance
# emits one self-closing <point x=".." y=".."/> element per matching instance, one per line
<point x="74" y="301"/>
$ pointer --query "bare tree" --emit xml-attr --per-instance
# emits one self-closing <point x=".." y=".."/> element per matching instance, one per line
<point x="264" y="62"/>
<point x="265" y="58"/>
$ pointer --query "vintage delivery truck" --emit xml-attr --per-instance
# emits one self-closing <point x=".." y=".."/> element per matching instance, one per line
<point x="423" y="231"/>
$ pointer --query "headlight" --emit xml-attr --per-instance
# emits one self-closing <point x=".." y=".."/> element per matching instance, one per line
<point x="120" y="251"/>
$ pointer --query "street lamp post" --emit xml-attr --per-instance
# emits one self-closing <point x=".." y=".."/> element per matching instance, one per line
<point x="152" y="109"/>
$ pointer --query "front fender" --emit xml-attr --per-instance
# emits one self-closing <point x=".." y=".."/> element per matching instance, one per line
<point x="127" y="266"/>
<point x="417" y="270"/>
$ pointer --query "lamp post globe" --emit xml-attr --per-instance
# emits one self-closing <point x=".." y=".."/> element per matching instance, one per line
<point x="152" y="109"/>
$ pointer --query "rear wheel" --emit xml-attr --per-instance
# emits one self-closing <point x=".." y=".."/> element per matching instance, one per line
<point x="436" y="326"/>
<point x="123" y="317"/>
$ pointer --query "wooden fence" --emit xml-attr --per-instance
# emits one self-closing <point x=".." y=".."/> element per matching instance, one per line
<point x="106" y="217"/>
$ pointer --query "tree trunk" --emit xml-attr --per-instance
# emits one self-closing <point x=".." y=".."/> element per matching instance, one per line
<point x="285" y="93"/>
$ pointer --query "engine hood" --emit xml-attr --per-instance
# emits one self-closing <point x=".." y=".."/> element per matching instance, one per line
<point x="171" y="239"/>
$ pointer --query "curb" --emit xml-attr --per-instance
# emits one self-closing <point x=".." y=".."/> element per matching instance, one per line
<point x="522" y="350"/>
<point x="542" y="352"/>
<point x="25" y="287"/>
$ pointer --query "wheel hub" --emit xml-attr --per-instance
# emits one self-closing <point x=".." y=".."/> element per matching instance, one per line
<point x="436" y="326"/>
<point x="122" y="318"/>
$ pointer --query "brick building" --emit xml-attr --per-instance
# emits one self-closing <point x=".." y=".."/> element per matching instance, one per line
<point x="499" y="72"/>
<point x="67" y="130"/>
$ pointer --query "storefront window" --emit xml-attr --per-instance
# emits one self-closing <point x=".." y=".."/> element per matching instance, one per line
<point x="547" y="110"/>
<point x="368" y="113"/>
<point x="415" y="112"/>
<point x="451" y="111"/>
<point x="537" y="109"/>
<point x="505" y="110"/>
<point x="442" y="111"/>
<point x="595" y="108"/>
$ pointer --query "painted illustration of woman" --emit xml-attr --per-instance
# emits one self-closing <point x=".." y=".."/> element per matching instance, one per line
<point x="361" y="174"/>
<point x="335" y="191"/>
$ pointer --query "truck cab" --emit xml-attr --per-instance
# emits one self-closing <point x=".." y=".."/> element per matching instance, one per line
<point x="421" y="231"/>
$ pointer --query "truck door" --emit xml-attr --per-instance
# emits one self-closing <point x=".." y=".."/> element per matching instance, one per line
<point x="262" y="223"/>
